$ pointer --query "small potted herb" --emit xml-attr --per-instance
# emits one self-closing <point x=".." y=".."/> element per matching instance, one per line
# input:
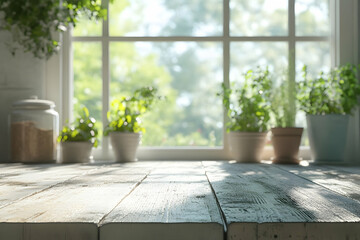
<point x="125" y="126"/>
<point x="76" y="141"/>
<point x="249" y="115"/>
<point x="286" y="138"/>
<point x="328" y="100"/>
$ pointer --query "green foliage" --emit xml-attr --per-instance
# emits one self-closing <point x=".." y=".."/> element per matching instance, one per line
<point x="333" y="93"/>
<point x="251" y="111"/>
<point x="283" y="103"/>
<point x="32" y="23"/>
<point x="125" y="113"/>
<point x="83" y="129"/>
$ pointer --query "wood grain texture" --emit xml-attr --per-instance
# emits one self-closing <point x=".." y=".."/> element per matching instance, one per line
<point x="334" y="178"/>
<point x="72" y="209"/>
<point x="349" y="169"/>
<point x="264" y="202"/>
<point x="20" y="181"/>
<point x="174" y="202"/>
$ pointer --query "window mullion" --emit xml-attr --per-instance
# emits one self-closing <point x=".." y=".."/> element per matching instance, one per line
<point x="68" y="79"/>
<point x="105" y="77"/>
<point x="292" y="39"/>
<point x="201" y="39"/>
<point x="292" y="49"/>
<point x="226" y="62"/>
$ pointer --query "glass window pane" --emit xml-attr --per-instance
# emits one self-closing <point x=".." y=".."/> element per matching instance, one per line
<point x="258" y="18"/>
<point x="87" y="67"/>
<point x="188" y="74"/>
<point x="166" y="18"/>
<point x="312" y="17"/>
<point x="320" y="60"/>
<point x="86" y="27"/>
<point x="248" y="55"/>
<point x="316" y="55"/>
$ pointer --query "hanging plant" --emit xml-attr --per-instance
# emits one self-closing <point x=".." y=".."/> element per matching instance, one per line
<point x="32" y="23"/>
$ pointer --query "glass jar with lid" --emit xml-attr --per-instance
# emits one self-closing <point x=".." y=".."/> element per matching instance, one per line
<point x="34" y="128"/>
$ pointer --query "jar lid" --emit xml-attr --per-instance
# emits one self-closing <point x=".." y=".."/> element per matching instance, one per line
<point x="33" y="103"/>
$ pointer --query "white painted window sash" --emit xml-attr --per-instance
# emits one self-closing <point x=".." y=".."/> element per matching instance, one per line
<point x="181" y="153"/>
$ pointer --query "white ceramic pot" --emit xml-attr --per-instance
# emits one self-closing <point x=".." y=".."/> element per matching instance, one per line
<point x="75" y="152"/>
<point x="247" y="146"/>
<point x="328" y="137"/>
<point x="124" y="145"/>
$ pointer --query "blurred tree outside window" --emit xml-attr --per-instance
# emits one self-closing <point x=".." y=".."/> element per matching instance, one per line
<point x="179" y="47"/>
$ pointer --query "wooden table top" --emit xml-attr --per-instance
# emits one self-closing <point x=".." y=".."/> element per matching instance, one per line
<point x="179" y="200"/>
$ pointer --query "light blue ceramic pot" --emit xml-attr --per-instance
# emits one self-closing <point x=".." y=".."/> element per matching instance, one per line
<point x="327" y="137"/>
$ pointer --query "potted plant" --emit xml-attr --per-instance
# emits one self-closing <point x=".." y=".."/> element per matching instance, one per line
<point x="328" y="100"/>
<point x="285" y="137"/>
<point x="125" y="126"/>
<point x="249" y="113"/>
<point x="76" y="141"/>
<point x="32" y="24"/>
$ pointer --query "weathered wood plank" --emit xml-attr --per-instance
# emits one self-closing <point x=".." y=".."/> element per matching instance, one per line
<point x="174" y="202"/>
<point x="15" y="169"/>
<point x="21" y="181"/>
<point x="72" y="209"/>
<point x="349" y="169"/>
<point x="264" y="202"/>
<point x="334" y="178"/>
<point x="259" y="201"/>
<point x="35" y="231"/>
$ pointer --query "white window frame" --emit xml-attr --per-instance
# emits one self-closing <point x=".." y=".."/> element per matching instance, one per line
<point x="59" y="73"/>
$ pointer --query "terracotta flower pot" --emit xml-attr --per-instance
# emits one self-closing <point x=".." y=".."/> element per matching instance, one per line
<point x="75" y="152"/>
<point x="124" y="145"/>
<point x="247" y="146"/>
<point x="286" y="143"/>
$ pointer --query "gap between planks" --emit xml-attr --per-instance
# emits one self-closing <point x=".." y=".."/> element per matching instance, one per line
<point x="122" y="199"/>
<point x="222" y="214"/>
<point x="174" y="202"/>
<point x="57" y="226"/>
<point x="262" y="227"/>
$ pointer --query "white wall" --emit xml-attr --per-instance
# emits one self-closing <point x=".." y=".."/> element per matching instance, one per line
<point x="20" y="77"/>
<point x="347" y="43"/>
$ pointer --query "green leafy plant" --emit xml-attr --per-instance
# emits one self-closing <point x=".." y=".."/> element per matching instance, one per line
<point x="250" y="111"/>
<point x="283" y="103"/>
<point x="334" y="93"/>
<point x="125" y="113"/>
<point x="83" y="129"/>
<point x="32" y="23"/>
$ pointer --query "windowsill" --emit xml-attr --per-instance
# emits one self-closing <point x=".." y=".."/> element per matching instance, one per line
<point x="188" y="153"/>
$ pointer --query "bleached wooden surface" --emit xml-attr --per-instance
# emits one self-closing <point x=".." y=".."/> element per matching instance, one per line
<point x="342" y="180"/>
<point x="19" y="181"/>
<point x="262" y="201"/>
<point x="174" y="202"/>
<point x="178" y="200"/>
<point x="70" y="209"/>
